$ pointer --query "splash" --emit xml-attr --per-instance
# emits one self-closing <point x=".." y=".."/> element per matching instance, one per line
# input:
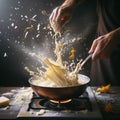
<point x="56" y="74"/>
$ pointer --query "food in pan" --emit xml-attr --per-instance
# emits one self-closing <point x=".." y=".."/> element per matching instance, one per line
<point x="56" y="74"/>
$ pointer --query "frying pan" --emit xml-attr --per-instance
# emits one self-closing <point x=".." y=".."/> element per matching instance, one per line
<point x="60" y="93"/>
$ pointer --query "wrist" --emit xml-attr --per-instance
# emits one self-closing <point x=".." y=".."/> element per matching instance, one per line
<point x="69" y="3"/>
<point x="72" y="3"/>
<point x="117" y="35"/>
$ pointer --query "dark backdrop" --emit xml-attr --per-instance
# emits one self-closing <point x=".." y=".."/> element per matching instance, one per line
<point x="23" y="29"/>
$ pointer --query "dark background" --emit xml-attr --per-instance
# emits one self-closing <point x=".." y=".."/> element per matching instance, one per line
<point x="17" y="41"/>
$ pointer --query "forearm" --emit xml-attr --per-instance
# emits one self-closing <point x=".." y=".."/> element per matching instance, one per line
<point x="74" y="3"/>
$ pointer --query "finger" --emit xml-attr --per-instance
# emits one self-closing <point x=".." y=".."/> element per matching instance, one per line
<point x="55" y="15"/>
<point x="51" y="15"/>
<point x="97" y="52"/>
<point x="59" y="15"/>
<point x="93" y="46"/>
<point x="51" y="18"/>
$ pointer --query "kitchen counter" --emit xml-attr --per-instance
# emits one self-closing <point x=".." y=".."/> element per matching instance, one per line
<point x="17" y="96"/>
<point x="110" y="100"/>
<point x="13" y="93"/>
<point x="11" y="112"/>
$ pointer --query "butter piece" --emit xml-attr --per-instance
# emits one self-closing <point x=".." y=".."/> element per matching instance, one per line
<point x="4" y="101"/>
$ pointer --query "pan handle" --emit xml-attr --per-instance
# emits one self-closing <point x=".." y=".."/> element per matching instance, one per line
<point x="86" y="59"/>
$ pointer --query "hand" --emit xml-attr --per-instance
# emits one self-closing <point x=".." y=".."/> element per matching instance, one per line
<point x="61" y="15"/>
<point x="103" y="45"/>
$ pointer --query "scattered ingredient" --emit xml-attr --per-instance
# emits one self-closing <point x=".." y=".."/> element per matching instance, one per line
<point x="104" y="89"/>
<point x="49" y="27"/>
<point x="108" y="108"/>
<point x="21" y="95"/>
<point x="4" y="101"/>
<point x="5" y="55"/>
<point x="72" y="56"/>
<point x="8" y="94"/>
<point x="29" y="27"/>
<point x="44" y="12"/>
<point x="41" y="112"/>
<point x="67" y="31"/>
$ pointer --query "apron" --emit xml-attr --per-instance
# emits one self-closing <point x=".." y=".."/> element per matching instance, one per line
<point x="107" y="71"/>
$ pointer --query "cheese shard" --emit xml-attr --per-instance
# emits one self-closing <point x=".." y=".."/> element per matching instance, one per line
<point x="4" y="101"/>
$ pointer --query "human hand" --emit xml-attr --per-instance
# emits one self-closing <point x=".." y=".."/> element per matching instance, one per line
<point x="61" y="15"/>
<point x="103" y="45"/>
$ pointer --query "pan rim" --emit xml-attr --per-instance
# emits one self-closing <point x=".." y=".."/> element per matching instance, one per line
<point x="79" y="75"/>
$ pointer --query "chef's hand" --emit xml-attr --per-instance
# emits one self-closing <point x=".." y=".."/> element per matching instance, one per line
<point x="103" y="45"/>
<point x="62" y="14"/>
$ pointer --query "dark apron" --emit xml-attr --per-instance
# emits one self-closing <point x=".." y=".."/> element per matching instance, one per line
<point x="107" y="71"/>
